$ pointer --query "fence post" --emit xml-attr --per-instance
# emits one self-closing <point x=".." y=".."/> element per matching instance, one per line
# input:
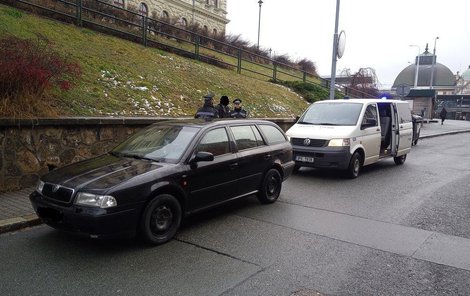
<point x="196" y="46"/>
<point x="304" y="79"/>
<point x="274" y="71"/>
<point x="144" y="29"/>
<point x="239" y="65"/>
<point x="78" y="10"/>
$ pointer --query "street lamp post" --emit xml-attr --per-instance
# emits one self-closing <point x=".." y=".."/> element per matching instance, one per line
<point x="259" y="19"/>
<point x="417" y="65"/>
<point x="335" y="54"/>
<point x="433" y="63"/>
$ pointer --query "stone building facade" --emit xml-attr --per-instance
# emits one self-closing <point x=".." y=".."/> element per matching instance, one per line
<point x="209" y="14"/>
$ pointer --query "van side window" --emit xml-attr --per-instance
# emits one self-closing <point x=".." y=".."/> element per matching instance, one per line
<point x="371" y="113"/>
<point x="404" y="113"/>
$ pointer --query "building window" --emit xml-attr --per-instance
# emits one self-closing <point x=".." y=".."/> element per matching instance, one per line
<point x="143" y="9"/>
<point x="205" y="29"/>
<point x="216" y="3"/>
<point x="214" y="32"/>
<point x="183" y="22"/>
<point x="119" y="3"/>
<point x="207" y="2"/>
<point x="164" y="15"/>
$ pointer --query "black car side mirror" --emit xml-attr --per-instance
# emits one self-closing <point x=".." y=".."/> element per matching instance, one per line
<point x="201" y="156"/>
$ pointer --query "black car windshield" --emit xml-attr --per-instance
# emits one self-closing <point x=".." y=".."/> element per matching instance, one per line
<point x="163" y="143"/>
<point x="332" y="114"/>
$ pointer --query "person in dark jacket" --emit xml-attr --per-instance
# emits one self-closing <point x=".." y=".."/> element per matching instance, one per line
<point x="222" y="107"/>
<point x="207" y="111"/>
<point x="238" y="111"/>
<point x="443" y="115"/>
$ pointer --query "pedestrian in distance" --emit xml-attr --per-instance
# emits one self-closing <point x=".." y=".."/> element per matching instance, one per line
<point x="222" y="107"/>
<point x="443" y="115"/>
<point x="238" y="111"/>
<point x="207" y="111"/>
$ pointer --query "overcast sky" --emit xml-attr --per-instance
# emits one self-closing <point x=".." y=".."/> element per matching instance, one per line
<point x="378" y="32"/>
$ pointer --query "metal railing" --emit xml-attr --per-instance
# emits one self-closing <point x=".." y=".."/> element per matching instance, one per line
<point x="134" y="26"/>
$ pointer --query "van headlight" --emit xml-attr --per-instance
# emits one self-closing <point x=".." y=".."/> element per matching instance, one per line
<point x="93" y="200"/>
<point x="339" y="143"/>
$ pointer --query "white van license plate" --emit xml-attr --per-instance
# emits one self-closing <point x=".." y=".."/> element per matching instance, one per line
<point x="304" y="158"/>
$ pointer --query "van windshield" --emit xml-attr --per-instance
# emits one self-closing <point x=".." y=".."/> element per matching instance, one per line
<point x="332" y="114"/>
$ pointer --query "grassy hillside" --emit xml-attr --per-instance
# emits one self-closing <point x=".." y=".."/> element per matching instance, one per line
<point x="121" y="78"/>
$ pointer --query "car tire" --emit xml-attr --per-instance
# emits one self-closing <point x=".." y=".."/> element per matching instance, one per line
<point x="355" y="166"/>
<point x="270" y="187"/>
<point x="400" y="159"/>
<point x="161" y="219"/>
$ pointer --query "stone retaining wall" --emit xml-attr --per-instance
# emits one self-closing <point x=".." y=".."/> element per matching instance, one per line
<point x="31" y="148"/>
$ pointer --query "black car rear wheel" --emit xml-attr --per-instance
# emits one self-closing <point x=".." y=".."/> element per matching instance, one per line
<point x="270" y="187"/>
<point x="161" y="219"/>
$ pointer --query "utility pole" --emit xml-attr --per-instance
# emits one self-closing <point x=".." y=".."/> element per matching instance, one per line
<point x="335" y="53"/>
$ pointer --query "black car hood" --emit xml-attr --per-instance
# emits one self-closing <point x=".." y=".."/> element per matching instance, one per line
<point x="100" y="173"/>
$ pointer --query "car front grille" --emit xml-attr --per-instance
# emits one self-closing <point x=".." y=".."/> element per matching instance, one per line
<point x="312" y="142"/>
<point x="57" y="193"/>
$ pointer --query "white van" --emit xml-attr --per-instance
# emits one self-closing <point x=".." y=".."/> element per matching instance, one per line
<point x="351" y="133"/>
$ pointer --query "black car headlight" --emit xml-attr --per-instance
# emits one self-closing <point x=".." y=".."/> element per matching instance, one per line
<point x="94" y="200"/>
<point x="40" y="186"/>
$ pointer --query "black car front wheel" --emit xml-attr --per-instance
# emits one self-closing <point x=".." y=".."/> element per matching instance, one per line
<point x="270" y="187"/>
<point x="161" y="219"/>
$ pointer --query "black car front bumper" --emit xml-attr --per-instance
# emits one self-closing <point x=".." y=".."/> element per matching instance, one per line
<point x="95" y="222"/>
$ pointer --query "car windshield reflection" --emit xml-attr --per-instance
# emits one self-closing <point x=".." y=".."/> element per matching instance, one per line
<point x="332" y="114"/>
<point x="161" y="143"/>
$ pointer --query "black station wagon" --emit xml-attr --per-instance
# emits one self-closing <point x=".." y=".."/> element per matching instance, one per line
<point x="170" y="169"/>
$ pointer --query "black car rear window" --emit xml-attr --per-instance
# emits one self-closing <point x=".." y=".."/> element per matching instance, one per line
<point x="272" y="134"/>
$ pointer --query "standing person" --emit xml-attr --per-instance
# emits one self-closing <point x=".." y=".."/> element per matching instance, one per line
<point x="207" y="111"/>
<point x="443" y="115"/>
<point x="222" y="107"/>
<point x="238" y="111"/>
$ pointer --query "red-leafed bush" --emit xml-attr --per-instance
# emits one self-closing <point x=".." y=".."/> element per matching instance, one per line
<point x="30" y="68"/>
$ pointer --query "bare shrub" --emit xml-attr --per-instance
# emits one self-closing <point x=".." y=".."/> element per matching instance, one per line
<point x="30" y="68"/>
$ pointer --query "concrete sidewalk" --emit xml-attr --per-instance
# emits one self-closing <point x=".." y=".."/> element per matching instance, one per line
<point x="16" y="211"/>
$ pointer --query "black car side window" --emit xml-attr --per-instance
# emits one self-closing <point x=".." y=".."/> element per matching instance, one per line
<point x="244" y="137"/>
<point x="272" y="134"/>
<point x="215" y="142"/>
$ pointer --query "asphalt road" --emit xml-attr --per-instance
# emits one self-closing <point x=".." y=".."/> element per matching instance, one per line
<point x="396" y="230"/>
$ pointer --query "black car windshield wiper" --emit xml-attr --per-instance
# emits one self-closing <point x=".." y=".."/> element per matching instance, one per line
<point x="305" y="122"/>
<point x="121" y="154"/>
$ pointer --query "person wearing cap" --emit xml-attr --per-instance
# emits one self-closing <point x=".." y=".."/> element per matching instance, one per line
<point x="222" y="107"/>
<point x="238" y="111"/>
<point x="207" y="111"/>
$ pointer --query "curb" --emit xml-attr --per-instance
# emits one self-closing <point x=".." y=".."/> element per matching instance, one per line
<point x="12" y="224"/>
<point x="444" y="134"/>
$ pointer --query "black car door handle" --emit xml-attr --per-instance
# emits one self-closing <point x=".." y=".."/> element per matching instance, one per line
<point x="267" y="156"/>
